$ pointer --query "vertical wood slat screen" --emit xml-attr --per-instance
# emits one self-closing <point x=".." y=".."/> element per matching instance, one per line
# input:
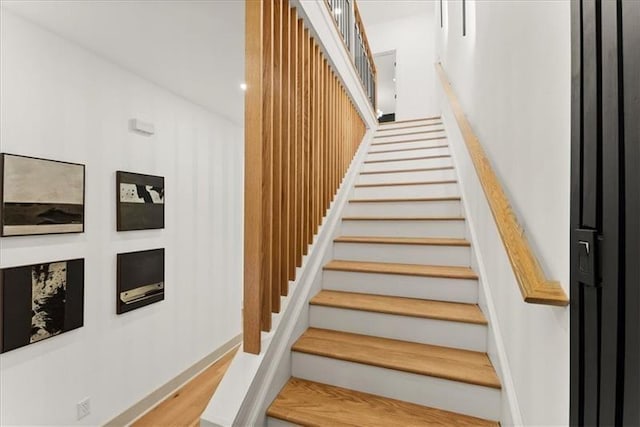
<point x="301" y="132"/>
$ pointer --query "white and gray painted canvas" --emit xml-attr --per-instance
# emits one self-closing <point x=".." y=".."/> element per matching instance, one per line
<point x="41" y="196"/>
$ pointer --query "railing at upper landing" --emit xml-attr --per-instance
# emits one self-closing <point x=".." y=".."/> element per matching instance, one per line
<point x="346" y="16"/>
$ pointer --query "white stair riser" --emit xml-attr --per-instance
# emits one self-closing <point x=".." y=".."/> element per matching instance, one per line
<point x="426" y="176"/>
<point x="407" y="254"/>
<point x="411" y="144"/>
<point x="433" y="288"/>
<point x="423" y="122"/>
<point x="409" y="154"/>
<point x="407" y="164"/>
<point x="274" y="422"/>
<point x="410" y="135"/>
<point x="412" y="191"/>
<point x="453" y="229"/>
<point x="447" y="208"/>
<point x="466" y="336"/>
<point x="468" y="399"/>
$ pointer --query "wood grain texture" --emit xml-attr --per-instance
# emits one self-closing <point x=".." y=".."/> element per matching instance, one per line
<point x="397" y="150"/>
<point x="301" y="132"/>
<point x="533" y="283"/>
<point x="408" y="159"/>
<point x="185" y="406"/>
<point x="406" y="184"/>
<point x="439" y="168"/>
<point x="411" y="307"/>
<point x="410" y="133"/>
<point x="314" y="404"/>
<point x="267" y="164"/>
<point x="276" y="163"/>
<point x="465" y="366"/>
<point x="447" y="272"/>
<point x="251" y="312"/>
<point x="426" y="241"/>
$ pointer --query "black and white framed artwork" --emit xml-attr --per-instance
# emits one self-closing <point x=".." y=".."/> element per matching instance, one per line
<point x="140" y="201"/>
<point x="140" y="279"/>
<point x="40" y="301"/>
<point x="39" y="196"/>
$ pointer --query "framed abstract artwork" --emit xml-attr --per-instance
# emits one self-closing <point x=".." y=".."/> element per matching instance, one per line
<point x="39" y="196"/>
<point x="140" y="201"/>
<point x="140" y="279"/>
<point x="40" y="301"/>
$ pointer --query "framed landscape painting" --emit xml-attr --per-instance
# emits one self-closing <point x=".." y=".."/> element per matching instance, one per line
<point x="140" y="201"/>
<point x="40" y="301"/>
<point x="39" y="196"/>
<point x="140" y="279"/>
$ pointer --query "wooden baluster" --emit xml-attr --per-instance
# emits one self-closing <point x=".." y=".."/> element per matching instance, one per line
<point x="285" y="148"/>
<point x="267" y="162"/>
<point x="276" y="168"/>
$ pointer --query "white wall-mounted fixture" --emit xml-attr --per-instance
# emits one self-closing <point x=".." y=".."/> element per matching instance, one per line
<point x="243" y="86"/>
<point x="141" y="127"/>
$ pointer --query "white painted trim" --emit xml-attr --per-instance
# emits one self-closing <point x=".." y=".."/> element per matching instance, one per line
<point x="253" y="380"/>
<point x="145" y="405"/>
<point x="499" y="358"/>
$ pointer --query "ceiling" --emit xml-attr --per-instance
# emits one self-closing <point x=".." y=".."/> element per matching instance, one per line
<point x="193" y="48"/>
<point x="380" y="11"/>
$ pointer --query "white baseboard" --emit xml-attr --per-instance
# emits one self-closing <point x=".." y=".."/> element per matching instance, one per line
<point x="150" y="401"/>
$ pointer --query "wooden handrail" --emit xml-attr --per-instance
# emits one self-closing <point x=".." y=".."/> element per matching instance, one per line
<point x="301" y="132"/>
<point x="534" y="285"/>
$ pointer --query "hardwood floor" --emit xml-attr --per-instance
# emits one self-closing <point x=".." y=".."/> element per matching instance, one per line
<point x="185" y="406"/>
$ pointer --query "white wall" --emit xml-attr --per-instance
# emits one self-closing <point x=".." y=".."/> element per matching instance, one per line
<point x="512" y="76"/>
<point x="412" y="39"/>
<point x="62" y="102"/>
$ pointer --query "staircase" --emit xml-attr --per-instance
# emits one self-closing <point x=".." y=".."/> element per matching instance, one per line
<point x="396" y="335"/>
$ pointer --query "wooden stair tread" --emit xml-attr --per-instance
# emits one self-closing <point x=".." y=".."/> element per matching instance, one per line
<point x="427" y="241"/>
<point x="408" y="199"/>
<point x="438" y="168"/>
<point x="435" y="138"/>
<point x="447" y="272"/>
<point x="410" y="133"/>
<point x="406" y="159"/>
<point x="453" y="364"/>
<point x="397" y="150"/>
<point x="401" y="306"/>
<point x="314" y="404"/>
<point x="401" y="184"/>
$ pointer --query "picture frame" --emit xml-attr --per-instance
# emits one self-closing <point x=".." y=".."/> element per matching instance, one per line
<point x="139" y="201"/>
<point x="40" y="301"/>
<point x="40" y="196"/>
<point x="140" y="280"/>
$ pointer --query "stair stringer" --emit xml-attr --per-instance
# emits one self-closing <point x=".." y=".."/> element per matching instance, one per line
<point x="252" y="382"/>
<point x="510" y="414"/>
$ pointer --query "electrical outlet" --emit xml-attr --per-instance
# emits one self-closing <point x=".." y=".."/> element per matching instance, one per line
<point x="84" y="408"/>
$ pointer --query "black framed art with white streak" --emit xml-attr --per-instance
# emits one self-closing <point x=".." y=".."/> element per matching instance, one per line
<point x="40" y="301"/>
<point x="140" y="201"/>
